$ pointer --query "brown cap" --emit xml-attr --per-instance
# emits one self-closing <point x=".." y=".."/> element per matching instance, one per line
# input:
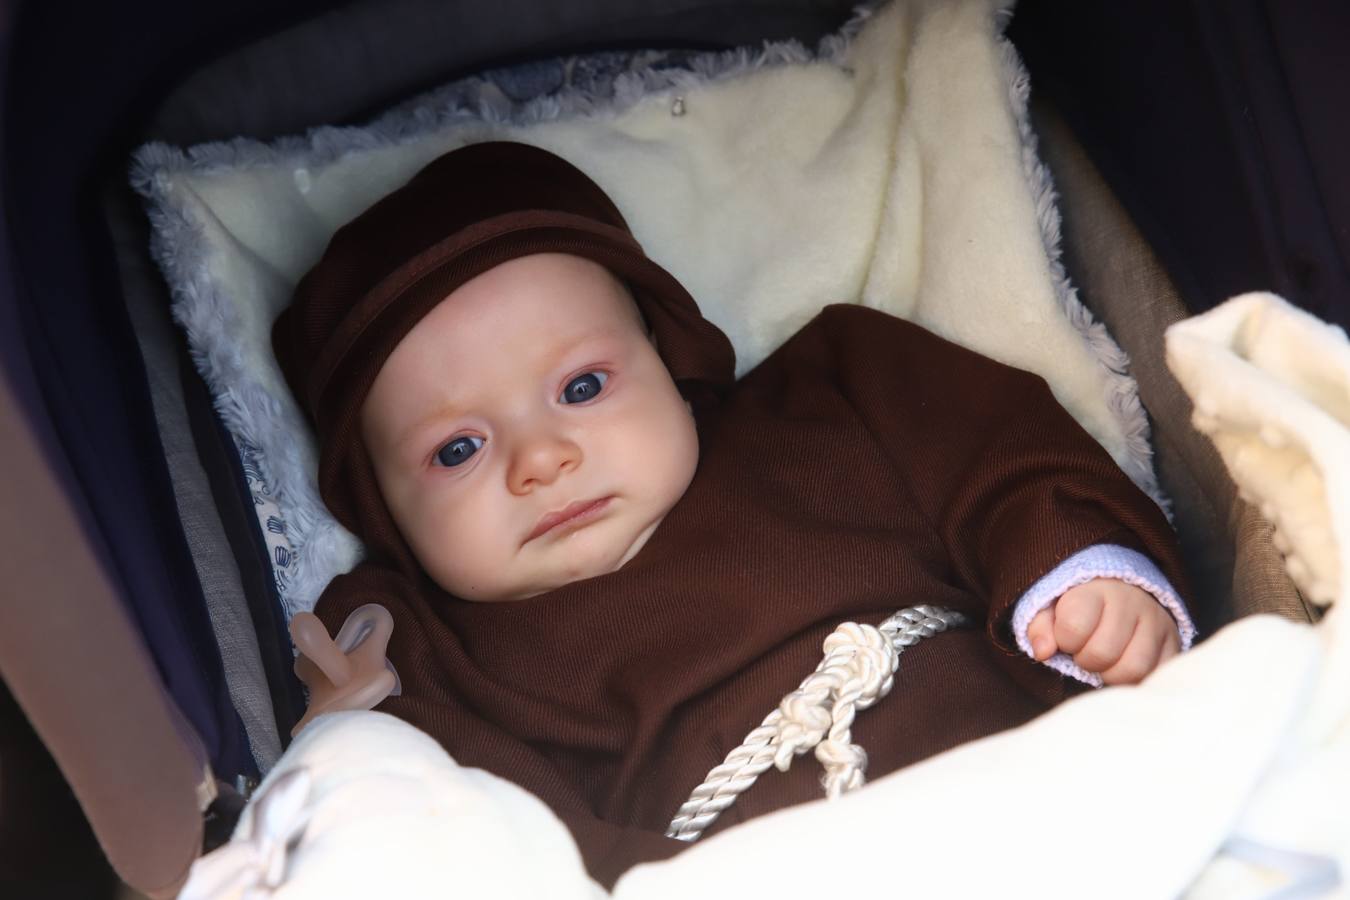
<point x="466" y="212"/>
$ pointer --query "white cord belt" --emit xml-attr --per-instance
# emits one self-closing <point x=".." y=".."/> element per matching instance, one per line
<point x="858" y="669"/>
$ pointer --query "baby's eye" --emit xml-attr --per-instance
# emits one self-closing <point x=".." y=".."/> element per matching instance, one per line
<point x="584" y="387"/>
<point x="458" y="450"/>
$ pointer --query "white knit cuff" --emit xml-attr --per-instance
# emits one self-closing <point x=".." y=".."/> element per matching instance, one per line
<point x="1097" y="561"/>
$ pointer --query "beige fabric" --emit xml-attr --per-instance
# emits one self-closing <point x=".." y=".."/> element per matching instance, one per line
<point x="1225" y="541"/>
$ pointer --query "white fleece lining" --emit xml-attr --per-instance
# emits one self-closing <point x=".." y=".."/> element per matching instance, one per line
<point x="893" y="167"/>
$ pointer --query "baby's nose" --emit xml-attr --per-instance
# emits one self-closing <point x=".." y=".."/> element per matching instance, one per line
<point x="541" y="460"/>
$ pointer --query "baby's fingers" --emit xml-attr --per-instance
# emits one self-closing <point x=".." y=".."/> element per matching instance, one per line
<point x="1140" y="657"/>
<point x="1041" y="634"/>
<point x="1077" y="614"/>
<point x="1116" y="630"/>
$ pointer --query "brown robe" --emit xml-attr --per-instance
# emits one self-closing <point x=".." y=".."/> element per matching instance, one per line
<point x="865" y="466"/>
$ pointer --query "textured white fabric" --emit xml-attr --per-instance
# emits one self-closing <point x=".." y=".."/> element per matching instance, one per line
<point x="1271" y="386"/>
<point x="1225" y="774"/>
<point x="372" y="808"/>
<point x="895" y="169"/>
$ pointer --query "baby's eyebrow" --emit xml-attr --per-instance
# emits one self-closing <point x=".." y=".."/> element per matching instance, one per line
<point x="440" y="414"/>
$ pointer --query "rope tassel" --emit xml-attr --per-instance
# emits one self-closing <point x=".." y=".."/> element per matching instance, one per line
<point x="857" y="671"/>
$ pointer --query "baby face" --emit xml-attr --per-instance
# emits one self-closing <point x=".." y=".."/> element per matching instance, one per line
<point x="525" y="434"/>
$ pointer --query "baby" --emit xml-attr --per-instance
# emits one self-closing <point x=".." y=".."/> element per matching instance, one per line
<point x="509" y="477"/>
<point x="607" y="561"/>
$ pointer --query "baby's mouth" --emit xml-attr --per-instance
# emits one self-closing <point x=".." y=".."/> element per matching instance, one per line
<point x="570" y="517"/>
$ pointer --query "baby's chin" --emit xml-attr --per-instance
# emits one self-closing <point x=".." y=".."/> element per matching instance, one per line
<point x="534" y="587"/>
<point x="586" y="561"/>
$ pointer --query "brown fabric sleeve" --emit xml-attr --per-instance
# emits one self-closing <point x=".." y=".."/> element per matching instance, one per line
<point x="1010" y="482"/>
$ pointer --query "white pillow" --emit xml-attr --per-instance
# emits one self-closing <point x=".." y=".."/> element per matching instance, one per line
<point x="894" y="167"/>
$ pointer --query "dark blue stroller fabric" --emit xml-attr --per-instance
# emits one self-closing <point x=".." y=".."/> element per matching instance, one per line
<point x="1221" y="126"/>
<point x="85" y="372"/>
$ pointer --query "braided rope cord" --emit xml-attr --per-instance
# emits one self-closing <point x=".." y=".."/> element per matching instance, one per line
<point x="858" y="669"/>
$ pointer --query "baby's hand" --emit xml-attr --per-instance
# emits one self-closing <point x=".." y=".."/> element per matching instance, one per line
<point x="1107" y="626"/>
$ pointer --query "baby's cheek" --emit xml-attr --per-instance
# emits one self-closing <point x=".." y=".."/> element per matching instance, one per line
<point x="461" y="546"/>
<point x="666" y="450"/>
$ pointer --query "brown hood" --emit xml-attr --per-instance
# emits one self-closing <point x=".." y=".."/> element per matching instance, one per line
<point x="466" y="212"/>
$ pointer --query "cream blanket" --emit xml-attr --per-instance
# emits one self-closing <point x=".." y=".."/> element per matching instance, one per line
<point x="1225" y="774"/>
<point x="893" y="168"/>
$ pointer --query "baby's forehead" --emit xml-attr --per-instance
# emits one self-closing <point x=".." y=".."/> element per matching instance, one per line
<point x="522" y="319"/>
<point x="564" y="295"/>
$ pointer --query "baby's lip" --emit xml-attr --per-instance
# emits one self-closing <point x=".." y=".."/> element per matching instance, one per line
<point x="578" y="513"/>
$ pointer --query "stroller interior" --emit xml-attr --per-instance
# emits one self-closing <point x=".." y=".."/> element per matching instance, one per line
<point x="144" y="643"/>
